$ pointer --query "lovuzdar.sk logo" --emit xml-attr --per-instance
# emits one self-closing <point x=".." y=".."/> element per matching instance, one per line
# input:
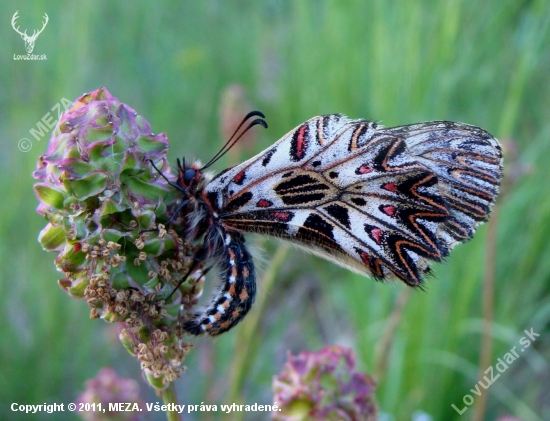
<point x="29" y="39"/>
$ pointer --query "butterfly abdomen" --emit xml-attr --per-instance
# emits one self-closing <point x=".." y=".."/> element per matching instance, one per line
<point x="236" y="293"/>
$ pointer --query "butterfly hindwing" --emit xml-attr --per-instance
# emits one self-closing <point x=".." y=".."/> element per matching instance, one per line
<point x="468" y="163"/>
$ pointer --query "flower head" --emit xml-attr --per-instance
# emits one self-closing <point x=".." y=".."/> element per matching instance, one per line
<point x="323" y="385"/>
<point x="108" y="388"/>
<point x="104" y="205"/>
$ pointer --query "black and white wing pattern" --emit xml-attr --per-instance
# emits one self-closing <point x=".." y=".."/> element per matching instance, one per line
<point x="382" y="202"/>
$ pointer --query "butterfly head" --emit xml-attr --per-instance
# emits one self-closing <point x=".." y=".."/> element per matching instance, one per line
<point x="191" y="178"/>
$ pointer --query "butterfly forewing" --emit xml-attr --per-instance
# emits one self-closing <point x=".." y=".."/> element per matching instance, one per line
<point x="383" y="202"/>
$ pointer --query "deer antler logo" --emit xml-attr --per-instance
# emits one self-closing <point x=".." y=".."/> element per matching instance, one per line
<point x="29" y="40"/>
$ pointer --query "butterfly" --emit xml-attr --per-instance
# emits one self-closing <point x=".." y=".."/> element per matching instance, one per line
<point x="383" y="202"/>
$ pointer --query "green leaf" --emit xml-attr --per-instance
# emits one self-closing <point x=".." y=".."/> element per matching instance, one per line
<point x="156" y="382"/>
<point x="110" y="207"/>
<point x="127" y="343"/>
<point x="145" y="218"/>
<point x="80" y="226"/>
<point x="160" y="209"/>
<point x="49" y="195"/>
<point x="78" y="167"/>
<point x="77" y="290"/>
<point x="144" y="333"/>
<point x="169" y="243"/>
<point x="153" y="246"/>
<point x="130" y="165"/>
<point x="100" y="135"/>
<point x="112" y="317"/>
<point x="172" y="311"/>
<point x="151" y="144"/>
<point x="52" y="238"/>
<point x="120" y="281"/>
<point x="91" y="185"/>
<point x="147" y="189"/>
<point x="139" y="274"/>
<point x="76" y="258"/>
<point x="150" y="286"/>
<point x="113" y="235"/>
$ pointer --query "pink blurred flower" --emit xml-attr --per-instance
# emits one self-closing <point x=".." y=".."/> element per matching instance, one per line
<point x="107" y="388"/>
<point x="324" y="386"/>
<point x="234" y="105"/>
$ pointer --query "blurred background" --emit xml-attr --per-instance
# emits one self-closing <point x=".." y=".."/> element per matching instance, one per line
<point x="192" y="69"/>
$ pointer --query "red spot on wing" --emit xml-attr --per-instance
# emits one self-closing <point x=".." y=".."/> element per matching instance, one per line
<point x="365" y="258"/>
<point x="301" y="142"/>
<point x="77" y="247"/>
<point x="281" y="216"/>
<point x="364" y="169"/>
<point x="376" y="234"/>
<point x="390" y="187"/>
<point x="389" y="210"/>
<point x="239" y="177"/>
<point x="262" y="203"/>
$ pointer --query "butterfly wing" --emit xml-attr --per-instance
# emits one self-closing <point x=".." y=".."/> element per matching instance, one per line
<point x="382" y="202"/>
<point x="468" y="163"/>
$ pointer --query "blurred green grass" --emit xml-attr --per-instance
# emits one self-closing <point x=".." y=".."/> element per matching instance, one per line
<point x="486" y="64"/>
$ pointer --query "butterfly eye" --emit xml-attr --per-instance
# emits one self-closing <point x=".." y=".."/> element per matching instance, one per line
<point x="188" y="175"/>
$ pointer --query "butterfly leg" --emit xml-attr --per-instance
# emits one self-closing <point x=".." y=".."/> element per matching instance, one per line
<point x="171" y="183"/>
<point x="235" y="295"/>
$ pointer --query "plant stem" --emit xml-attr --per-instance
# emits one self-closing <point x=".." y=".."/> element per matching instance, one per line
<point x="169" y="397"/>
<point x="383" y="349"/>
<point x="246" y="355"/>
<point x="488" y="311"/>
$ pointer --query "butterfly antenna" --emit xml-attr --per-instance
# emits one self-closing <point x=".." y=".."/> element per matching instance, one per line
<point x="233" y="140"/>
<point x="249" y="115"/>
<point x="254" y="123"/>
